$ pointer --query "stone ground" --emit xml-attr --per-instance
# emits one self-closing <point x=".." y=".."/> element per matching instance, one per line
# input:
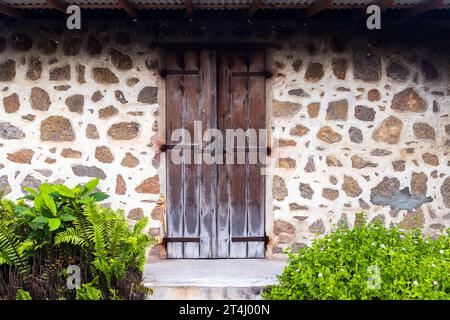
<point x="210" y="279"/>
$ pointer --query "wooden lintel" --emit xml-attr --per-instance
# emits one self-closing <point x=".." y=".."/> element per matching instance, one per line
<point x="424" y="6"/>
<point x="128" y="8"/>
<point x="318" y="6"/>
<point x="57" y="5"/>
<point x="189" y="8"/>
<point x="10" y="11"/>
<point x="254" y="6"/>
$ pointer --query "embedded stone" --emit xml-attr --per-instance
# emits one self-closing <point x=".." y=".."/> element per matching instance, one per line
<point x="286" y="143"/>
<point x="86" y="171"/>
<point x="313" y="109"/>
<point x="297" y="65"/>
<point x="132" y="81"/>
<point x="399" y="165"/>
<point x="60" y="73"/>
<point x="107" y="112"/>
<point x="136" y="214"/>
<point x="299" y="93"/>
<point x="279" y="190"/>
<point x="57" y="128"/>
<point x="34" y="69"/>
<point x="445" y="192"/>
<point x="10" y="132"/>
<point x="337" y="110"/>
<point x="306" y="191"/>
<point x="104" y="75"/>
<point x="148" y="95"/>
<point x="153" y="232"/>
<point x="355" y="135"/>
<point x="364" y="113"/>
<point x="121" y="186"/>
<point x="299" y="130"/>
<point x="314" y="72"/>
<point x="317" y="227"/>
<point x="22" y="156"/>
<point x="424" y="131"/>
<point x="386" y="188"/>
<point x="397" y="71"/>
<point x="351" y="187"/>
<point x="94" y="46"/>
<point x="103" y="154"/>
<point x="373" y="95"/>
<point x="429" y="71"/>
<point x="30" y="182"/>
<point x="310" y="165"/>
<point x="5" y="187"/>
<point x="364" y="205"/>
<point x="129" y="161"/>
<point x="430" y="159"/>
<point x="366" y="66"/>
<point x="419" y="184"/>
<point x="75" y="103"/>
<point x="412" y="220"/>
<point x="48" y="46"/>
<point x="150" y="186"/>
<point x="81" y="70"/>
<point x="70" y="153"/>
<point x="388" y="131"/>
<point x="11" y="103"/>
<point x="296" y="206"/>
<point x="285" y="109"/>
<point x="340" y="66"/>
<point x="447" y="129"/>
<point x="332" y="161"/>
<point x="39" y="99"/>
<point x="21" y="41"/>
<point x="328" y="135"/>
<point x="380" y="152"/>
<point x="408" y="100"/>
<point x="72" y="45"/>
<point x="120" y="96"/>
<point x="360" y="163"/>
<point x="124" y="130"/>
<point x="63" y="87"/>
<point x="120" y="60"/>
<point x="92" y="132"/>
<point x="152" y="64"/>
<point x="97" y="96"/>
<point x="158" y="213"/>
<point x="7" y="70"/>
<point x="330" y="194"/>
<point x="287" y="163"/>
<point x="281" y="226"/>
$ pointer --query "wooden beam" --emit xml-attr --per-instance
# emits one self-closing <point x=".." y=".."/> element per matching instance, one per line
<point x="128" y="8"/>
<point x="59" y="5"/>
<point x="383" y="4"/>
<point x="424" y="6"/>
<point x="10" y="11"/>
<point x="189" y="8"/>
<point x="254" y="6"/>
<point x="318" y="6"/>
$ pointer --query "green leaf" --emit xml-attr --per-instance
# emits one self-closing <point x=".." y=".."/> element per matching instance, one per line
<point x="39" y="203"/>
<point x="91" y="185"/>
<point x="99" y="196"/>
<point x="64" y="191"/>
<point x="40" y="219"/>
<point x="54" y="223"/>
<point x="32" y="191"/>
<point x="23" y="295"/>
<point x="50" y="204"/>
<point x="67" y="217"/>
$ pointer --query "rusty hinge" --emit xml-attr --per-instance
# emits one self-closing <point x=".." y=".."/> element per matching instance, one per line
<point x="164" y="72"/>
<point x="180" y="239"/>
<point x="266" y="74"/>
<point x="250" y="239"/>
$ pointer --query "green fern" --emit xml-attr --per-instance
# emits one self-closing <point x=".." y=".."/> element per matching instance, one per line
<point x="10" y="253"/>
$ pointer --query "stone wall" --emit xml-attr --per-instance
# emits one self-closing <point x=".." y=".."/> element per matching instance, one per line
<point x="361" y="121"/>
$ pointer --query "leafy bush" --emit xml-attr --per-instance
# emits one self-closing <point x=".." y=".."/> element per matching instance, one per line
<point x="57" y="226"/>
<point x="368" y="262"/>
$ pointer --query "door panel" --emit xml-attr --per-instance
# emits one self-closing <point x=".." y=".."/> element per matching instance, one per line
<point x="213" y="209"/>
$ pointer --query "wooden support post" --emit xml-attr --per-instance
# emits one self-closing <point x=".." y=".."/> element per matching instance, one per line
<point x="422" y="7"/>
<point x="57" y="5"/>
<point x="189" y="9"/>
<point x="254" y="6"/>
<point x="318" y="6"/>
<point x="128" y="8"/>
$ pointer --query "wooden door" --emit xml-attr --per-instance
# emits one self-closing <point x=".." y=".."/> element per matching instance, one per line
<point x="214" y="210"/>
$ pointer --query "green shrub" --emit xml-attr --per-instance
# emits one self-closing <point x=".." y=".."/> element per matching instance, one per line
<point x="57" y="226"/>
<point x="367" y="262"/>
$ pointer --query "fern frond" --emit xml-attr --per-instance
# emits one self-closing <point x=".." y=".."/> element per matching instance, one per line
<point x="71" y="236"/>
<point x="9" y="250"/>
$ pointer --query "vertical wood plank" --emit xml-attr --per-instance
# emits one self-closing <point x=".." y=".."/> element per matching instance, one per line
<point x="191" y="170"/>
<point x="223" y="170"/>
<point x="256" y="181"/>
<point x="174" y="176"/>
<point x="238" y="190"/>
<point x="208" y="175"/>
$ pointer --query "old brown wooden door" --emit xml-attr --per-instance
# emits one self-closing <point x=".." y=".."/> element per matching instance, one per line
<point x="214" y="210"/>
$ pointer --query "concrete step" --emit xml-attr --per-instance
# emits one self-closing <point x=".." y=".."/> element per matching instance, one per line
<point x="231" y="279"/>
